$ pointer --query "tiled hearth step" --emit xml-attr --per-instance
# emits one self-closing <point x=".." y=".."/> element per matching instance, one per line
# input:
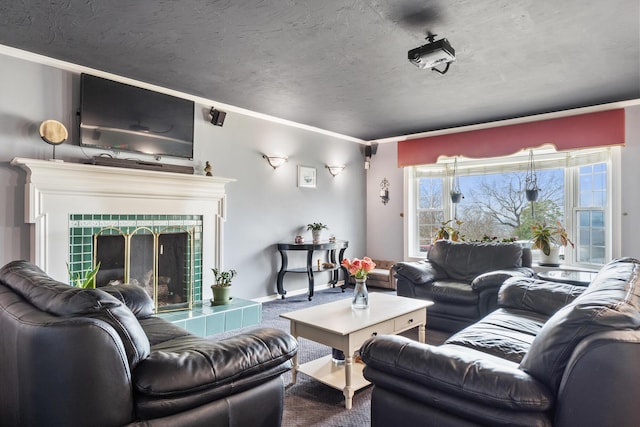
<point x="204" y="319"/>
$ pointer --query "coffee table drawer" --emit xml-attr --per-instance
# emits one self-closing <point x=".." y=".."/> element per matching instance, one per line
<point x="408" y="321"/>
<point x="384" y="328"/>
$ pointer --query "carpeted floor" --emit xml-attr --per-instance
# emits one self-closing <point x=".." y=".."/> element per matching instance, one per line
<point x="309" y="402"/>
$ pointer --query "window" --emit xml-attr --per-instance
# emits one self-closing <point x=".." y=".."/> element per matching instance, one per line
<point x="430" y="212"/>
<point x="573" y="190"/>
<point x="590" y="214"/>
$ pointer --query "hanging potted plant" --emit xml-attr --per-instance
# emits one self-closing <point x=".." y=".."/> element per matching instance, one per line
<point x="316" y="230"/>
<point x="531" y="189"/>
<point x="455" y="193"/>
<point x="548" y="239"/>
<point x="222" y="287"/>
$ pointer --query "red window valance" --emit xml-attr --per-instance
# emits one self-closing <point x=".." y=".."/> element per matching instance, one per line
<point x="565" y="133"/>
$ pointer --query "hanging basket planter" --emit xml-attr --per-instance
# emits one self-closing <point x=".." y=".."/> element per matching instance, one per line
<point x="532" y="195"/>
<point x="455" y="196"/>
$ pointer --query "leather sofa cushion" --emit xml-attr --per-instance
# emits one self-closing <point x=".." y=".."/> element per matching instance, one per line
<point x="610" y="302"/>
<point x="464" y="261"/>
<point x="62" y="300"/>
<point x="134" y="297"/>
<point x="189" y="364"/>
<point x="450" y="291"/>
<point x="503" y="333"/>
<point x="460" y="371"/>
<point x="537" y="295"/>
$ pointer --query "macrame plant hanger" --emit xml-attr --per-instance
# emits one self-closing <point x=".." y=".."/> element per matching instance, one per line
<point x="455" y="193"/>
<point x="531" y="183"/>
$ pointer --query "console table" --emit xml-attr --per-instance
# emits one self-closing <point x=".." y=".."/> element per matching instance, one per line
<point x="331" y="247"/>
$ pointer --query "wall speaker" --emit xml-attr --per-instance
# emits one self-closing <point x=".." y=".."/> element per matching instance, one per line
<point x="370" y="150"/>
<point x="217" y="117"/>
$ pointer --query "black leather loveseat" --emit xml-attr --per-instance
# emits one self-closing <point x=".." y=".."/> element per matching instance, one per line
<point x="97" y="357"/>
<point x="462" y="279"/>
<point x="553" y="354"/>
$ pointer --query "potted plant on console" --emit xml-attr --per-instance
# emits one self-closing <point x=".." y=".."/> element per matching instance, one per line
<point x="316" y="230"/>
<point x="549" y="238"/>
<point x="222" y="287"/>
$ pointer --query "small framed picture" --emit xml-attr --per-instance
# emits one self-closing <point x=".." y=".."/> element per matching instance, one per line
<point x="306" y="176"/>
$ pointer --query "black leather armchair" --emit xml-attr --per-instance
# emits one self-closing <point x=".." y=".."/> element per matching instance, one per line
<point x="98" y="357"/>
<point x="553" y="354"/>
<point x="462" y="279"/>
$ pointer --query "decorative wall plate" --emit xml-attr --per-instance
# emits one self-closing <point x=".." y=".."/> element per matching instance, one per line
<point x="53" y="132"/>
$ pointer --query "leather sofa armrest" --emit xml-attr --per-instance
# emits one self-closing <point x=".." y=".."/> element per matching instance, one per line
<point x="418" y="272"/>
<point x="495" y="279"/>
<point x="190" y="364"/>
<point x="465" y="373"/>
<point x="134" y="297"/>
<point x="537" y="295"/>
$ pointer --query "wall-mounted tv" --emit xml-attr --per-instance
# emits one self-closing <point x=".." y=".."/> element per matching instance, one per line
<point x="120" y="117"/>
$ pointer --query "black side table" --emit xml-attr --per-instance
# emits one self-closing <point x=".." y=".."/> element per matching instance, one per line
<point x="331" y="247"/>
<point x="572" y="277"/>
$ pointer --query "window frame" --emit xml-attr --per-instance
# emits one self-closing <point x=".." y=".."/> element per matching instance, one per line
<point x="570" y="161"/>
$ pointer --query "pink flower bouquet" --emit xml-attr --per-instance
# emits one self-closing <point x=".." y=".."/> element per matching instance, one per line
<point x="359" y="268"/>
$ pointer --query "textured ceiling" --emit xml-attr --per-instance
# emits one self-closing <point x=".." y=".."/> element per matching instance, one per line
<point x="342" y="65"/>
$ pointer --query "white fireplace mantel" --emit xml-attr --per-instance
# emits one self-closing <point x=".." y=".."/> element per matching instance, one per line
<point x="54" y="190"/>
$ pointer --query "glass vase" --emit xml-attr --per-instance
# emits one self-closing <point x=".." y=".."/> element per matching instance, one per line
<point x="360" y="295"/>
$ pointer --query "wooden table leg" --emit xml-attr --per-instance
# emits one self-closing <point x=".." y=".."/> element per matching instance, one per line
<point x="422" y="333"/>
<point x="294" y="360"/>
<point x="348" y="388"/>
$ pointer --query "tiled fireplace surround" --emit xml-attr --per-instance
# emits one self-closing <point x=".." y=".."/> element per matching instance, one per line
<point x="60" y="196"/>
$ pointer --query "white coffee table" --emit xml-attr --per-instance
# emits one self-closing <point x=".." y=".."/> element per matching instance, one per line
<point x="339" y="326"/>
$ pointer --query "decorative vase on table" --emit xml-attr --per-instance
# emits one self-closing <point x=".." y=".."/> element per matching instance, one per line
<point x="316" y="235"/>
<point x="359" y="270"/>
<point x="360" y="294"/>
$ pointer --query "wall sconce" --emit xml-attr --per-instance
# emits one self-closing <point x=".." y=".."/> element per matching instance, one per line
<point x="384" y="191"/>
<point x="335" y="170"/>
<point x="275" y="161"/>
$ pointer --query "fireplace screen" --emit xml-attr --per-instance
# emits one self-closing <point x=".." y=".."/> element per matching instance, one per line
<point x="160" y="261"/>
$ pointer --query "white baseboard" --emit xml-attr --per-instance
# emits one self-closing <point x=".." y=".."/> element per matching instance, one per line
<point x="295" y="292"/>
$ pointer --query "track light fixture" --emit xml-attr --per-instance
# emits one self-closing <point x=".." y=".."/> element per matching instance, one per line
<point x="433" y="54"/>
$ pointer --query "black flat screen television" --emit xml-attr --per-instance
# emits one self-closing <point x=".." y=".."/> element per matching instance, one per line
<point x="120" y="117"/>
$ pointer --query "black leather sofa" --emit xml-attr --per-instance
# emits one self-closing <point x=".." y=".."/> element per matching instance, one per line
<point x="98" y="357"/>
<point x="553" y="354"/>
<point x="462" y="279"/>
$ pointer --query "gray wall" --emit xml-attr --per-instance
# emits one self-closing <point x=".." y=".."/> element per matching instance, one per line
<point x="384" y="222"/>
<point x="264" y="205"/>
<point x="630" y="195"/>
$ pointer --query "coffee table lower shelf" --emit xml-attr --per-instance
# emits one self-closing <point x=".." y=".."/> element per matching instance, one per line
<point x="332" y="374"/>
